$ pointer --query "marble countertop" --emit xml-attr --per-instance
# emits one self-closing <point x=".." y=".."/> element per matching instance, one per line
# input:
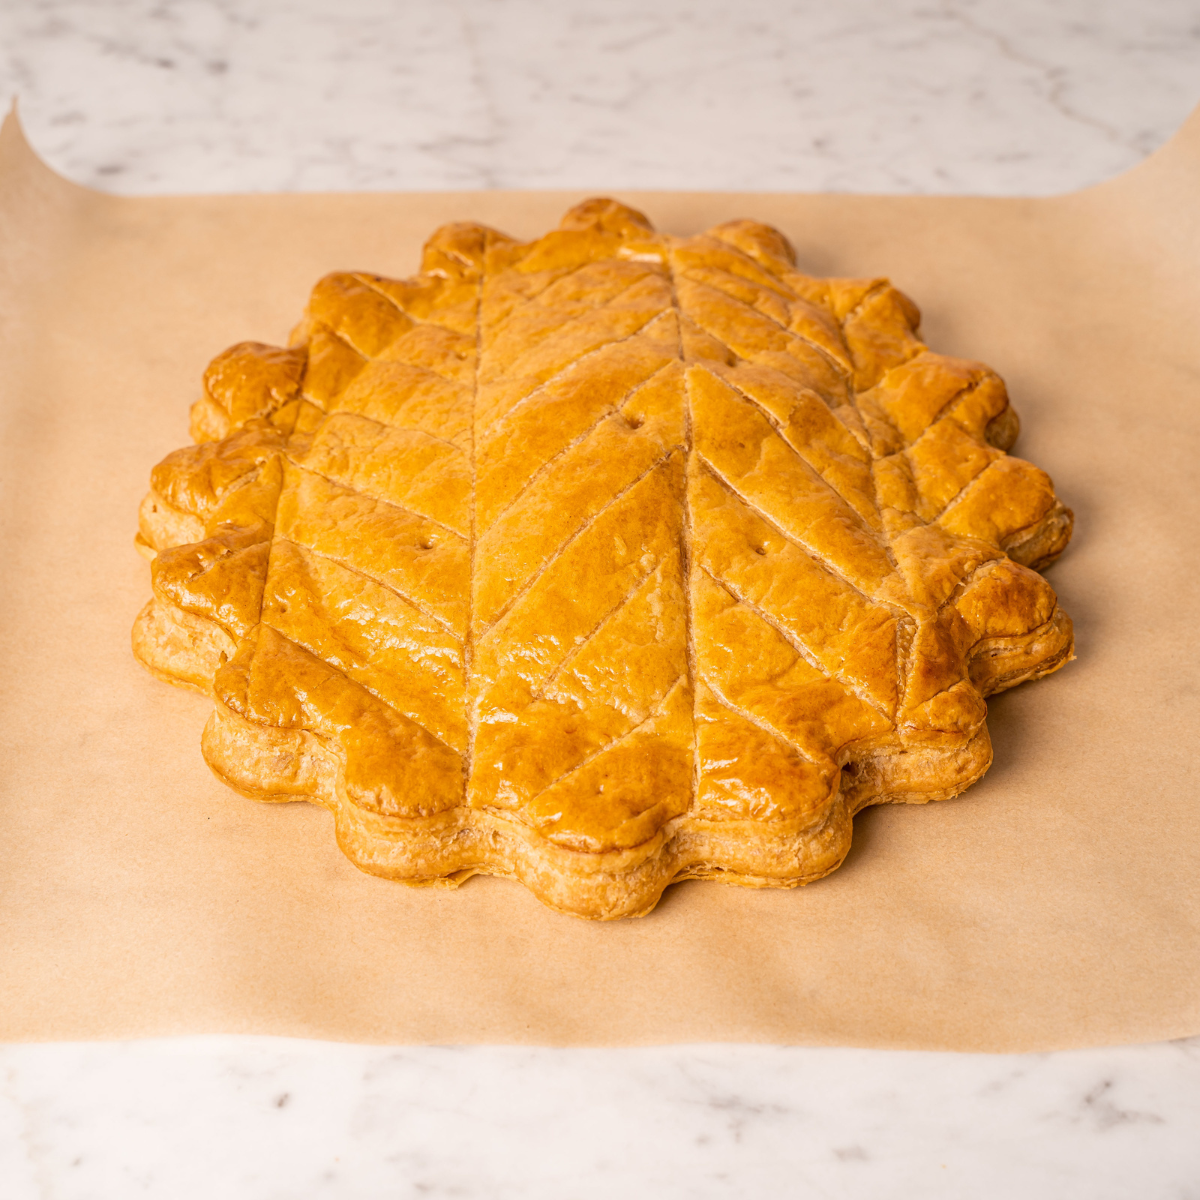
<point x="1001" y="97"/>
<point x="993" y="96"/>
<point x="193" y="1119"/>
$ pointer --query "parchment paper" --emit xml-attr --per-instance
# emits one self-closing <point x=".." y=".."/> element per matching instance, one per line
<point x="1055" y="904"/>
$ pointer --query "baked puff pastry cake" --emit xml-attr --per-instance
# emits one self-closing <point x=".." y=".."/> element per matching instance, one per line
<point x="600" y="561"/>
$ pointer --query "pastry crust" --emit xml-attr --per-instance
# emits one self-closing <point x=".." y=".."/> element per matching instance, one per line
<point x="601" y="561"/>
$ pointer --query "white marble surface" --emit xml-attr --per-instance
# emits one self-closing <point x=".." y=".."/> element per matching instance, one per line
<point x="999" y="96"/>
<point x="201" y="1118"/>
<point x="995" y="96"/>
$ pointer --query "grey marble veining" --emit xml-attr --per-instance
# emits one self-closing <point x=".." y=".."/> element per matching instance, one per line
<point x="992" y="96"/>
<point x="262" y="1118"/>
<point x="986" y="96"/>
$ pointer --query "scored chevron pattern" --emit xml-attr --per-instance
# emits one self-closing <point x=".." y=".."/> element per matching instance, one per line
<point x="582" y="697"/>
<point x="609" y="530"/>
<point x="799" y="614"/>
<point x="369" y="570"/>
<point x="803" y="633"/>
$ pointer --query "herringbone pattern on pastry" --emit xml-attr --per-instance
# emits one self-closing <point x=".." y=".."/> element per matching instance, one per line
<point x="600" y="561"/>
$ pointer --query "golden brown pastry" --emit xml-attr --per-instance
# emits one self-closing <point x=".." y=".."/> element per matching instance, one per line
<point x="601" y="561"/>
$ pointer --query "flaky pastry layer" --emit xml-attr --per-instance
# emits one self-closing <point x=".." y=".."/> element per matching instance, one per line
<point x="601" y="561"/>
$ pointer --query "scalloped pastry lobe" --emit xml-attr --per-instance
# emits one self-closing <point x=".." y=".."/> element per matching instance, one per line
<point x="600" y="561"/>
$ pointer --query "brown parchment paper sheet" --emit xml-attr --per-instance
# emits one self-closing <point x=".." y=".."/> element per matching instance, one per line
<point x="1055" y="904"/>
